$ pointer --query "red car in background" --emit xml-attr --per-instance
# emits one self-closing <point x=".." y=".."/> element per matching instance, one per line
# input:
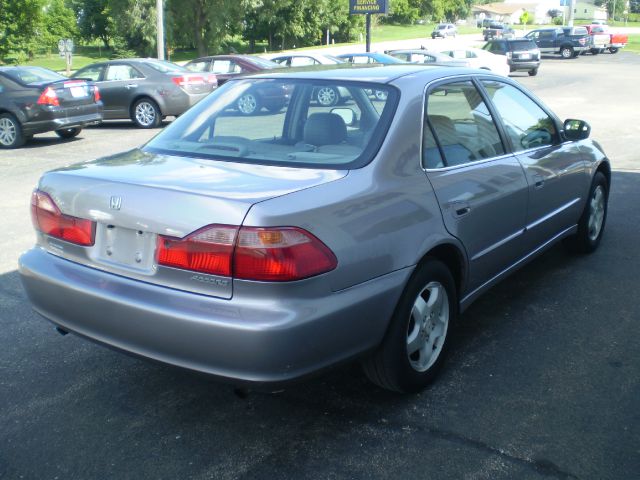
<point x="225" y="67"/>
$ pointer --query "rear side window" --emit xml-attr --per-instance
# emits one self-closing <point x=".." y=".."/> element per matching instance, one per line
<point x="458" y="127"/>
<point x="527" y="125"/>
<point x="201" y="66"/>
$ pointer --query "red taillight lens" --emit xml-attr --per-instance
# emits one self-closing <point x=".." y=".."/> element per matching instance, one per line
<point x="212" y="79"/>
<point x="49" y="97"/>
<point x="48" y="219"/>
<point x="267" y="254"/>
<point x="208" y="250"/>
<point x="186" y="80"/>
<point x="96" y="94"/>
<point x="280" y="254"/>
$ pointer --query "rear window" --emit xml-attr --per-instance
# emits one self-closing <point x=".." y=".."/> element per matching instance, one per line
<point x="319" y="124"/>
<point x="263" y="63"/>
<point x="517" y="45"/>
<point x="32" y="75"/>
<point x="164" y="67"/>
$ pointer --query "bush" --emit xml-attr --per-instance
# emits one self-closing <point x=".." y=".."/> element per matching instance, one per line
<point x="557" y="21"/>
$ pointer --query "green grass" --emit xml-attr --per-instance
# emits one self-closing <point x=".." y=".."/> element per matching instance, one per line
<point x="634" y="43"/>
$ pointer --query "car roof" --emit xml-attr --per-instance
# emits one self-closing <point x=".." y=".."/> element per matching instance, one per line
<point x="364" y="73"/>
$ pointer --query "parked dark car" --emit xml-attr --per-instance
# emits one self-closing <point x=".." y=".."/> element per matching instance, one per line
<point x="36" y="100"/>
<point x="498" y="30"/>
<point x="267" y="247"/>
<point x="555" y="40"/>
<point x="146" y="90"/>
<point x="225" y="67"/>
<point x="521" y="53"/>
<point x="444" y="30"/>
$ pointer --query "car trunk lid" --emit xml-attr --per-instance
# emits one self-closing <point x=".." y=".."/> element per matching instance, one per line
<point x="135" y="197"/>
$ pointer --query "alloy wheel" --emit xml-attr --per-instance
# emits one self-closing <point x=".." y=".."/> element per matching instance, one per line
<point x="8" y="132"/>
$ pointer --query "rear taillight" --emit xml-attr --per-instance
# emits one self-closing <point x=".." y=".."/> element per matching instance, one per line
<point x="186" y="80"/>
<point x="208" y="250"/>
<point x="49" y="97"/>
<point x="48" y="219"/>
<point x="96" y="94"/>
<point x="250" y="253"/>
<point x="212" y="79"/>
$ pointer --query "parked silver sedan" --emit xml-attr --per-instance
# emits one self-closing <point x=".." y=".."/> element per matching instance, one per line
<point x="265" y="247"/>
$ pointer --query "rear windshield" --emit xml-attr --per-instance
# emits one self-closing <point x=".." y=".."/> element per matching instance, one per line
<point x="32" y="75"/>
<point x="263" y="63"/>
<point x="319" y="124"/>
<point x="522" y="45"/>
<point x="164" y="67"/>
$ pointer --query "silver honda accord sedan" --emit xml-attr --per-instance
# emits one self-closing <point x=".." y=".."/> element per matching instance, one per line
<point x="265" y="247"/>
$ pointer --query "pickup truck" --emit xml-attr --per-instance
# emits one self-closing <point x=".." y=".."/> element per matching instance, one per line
<point x="556" y="40"/>
<point x="606" y="40"/>
<point x="497" y="30"/>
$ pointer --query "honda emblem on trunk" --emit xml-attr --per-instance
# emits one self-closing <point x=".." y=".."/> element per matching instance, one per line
<point x="115" y="203"/>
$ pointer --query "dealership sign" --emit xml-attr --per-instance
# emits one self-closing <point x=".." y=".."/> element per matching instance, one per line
<point x="368" y="6"/>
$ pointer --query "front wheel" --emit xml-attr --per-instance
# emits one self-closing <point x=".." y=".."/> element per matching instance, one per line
<point x="327" y="96"/>
<point x="67" y="133"/>
<point x="593" y="219"/>
<point x="248" y="104"/>
<point x="145" y="113"/>
<point x="11" y="135"/>
<point x="566" y="52"/>
<point x="415" y="344"/>
<point x="533" y="72"/>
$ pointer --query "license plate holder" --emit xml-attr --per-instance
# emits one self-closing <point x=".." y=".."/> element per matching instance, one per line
<point x="125" y="248"/>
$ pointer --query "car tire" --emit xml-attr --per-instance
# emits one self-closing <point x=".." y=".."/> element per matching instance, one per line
<point x="566" y="52"/>
<point x="595" y="51"/>
<point x="274" y="108"/>
<point x="145" y="113"/>
<point x="533" y="72"/>
<point x="327" y="96"/>
<point x="248" y="104"/>
<point x="613" y="49"/>
<point x="421" y="324"/>
<point x="593" y="218"/>
<point x="67" y="133"/>
<point x="11" y="134"/>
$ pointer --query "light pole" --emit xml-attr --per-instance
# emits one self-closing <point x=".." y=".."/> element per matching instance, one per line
<point x="160" y="29"/>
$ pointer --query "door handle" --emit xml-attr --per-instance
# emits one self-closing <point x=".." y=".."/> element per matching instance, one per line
<point x="460" y="209"/>
<point x="132" y="85"/>
<point x="538" y="181"/>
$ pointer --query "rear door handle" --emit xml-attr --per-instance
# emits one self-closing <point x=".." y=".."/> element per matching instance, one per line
<point x="538" y="181"/>
<point x="460" y="209"/>
<point x="132" y="85"/>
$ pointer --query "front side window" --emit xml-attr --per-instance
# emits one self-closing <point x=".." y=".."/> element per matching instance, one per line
<point x="281" y="122"/>
<point x="458" y="127"/>
<point x="526" y="124"/>
<point x="200" y="66"/>
<point x="302" y="61"/>
<point x="92" y="73"/>
<point x="121" y="72"/>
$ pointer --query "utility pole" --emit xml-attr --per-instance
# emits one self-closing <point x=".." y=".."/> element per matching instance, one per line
<point x="572" y="7"/>
<point x="160" y="29"/>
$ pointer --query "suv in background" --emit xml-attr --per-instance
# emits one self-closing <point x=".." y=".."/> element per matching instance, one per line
<point x="498" y="30"/>
<point x="521" y="53"/>
<point x="444" y="30"/>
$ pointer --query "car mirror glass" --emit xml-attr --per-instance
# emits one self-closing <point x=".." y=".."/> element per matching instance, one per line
<point x="576" y="129"/>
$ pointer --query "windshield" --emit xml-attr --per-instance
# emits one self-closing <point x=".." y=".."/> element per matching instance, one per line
<point x="284" y="122"/>
<point x="164" y="67"/>
<point x="32" y="75"/>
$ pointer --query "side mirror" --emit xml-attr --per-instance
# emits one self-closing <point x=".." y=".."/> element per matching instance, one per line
<point x="576" y="129"/>
<point x="348" y="115"/>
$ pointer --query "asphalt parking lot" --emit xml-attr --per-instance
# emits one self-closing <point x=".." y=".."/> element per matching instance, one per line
<point x="543" y="381"/>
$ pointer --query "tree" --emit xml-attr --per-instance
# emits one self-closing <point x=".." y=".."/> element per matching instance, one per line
<point x="135" y="24"/>
<point x="94" y="20"/>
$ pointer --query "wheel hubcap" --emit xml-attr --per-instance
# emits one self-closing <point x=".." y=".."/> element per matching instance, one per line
<point x="145" y="114"/>
<point x="427" y="326"/>
<point x="247" y="104"/>
<point x="326" y="96"/>
<point x="8" y="132"/>
<point x="596" y="212"/>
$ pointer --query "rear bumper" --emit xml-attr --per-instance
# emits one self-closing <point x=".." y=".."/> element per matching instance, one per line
<point x="521" y="65"/>
<point x="248" y="338"/>
<point x="63" y="118"/>
<point x="179" y="101"/>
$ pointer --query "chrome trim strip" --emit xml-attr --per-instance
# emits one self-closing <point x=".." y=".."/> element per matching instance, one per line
<point x="517" y="264"/>
<point x="552" y="214"/>
<point x="498" y="244"/>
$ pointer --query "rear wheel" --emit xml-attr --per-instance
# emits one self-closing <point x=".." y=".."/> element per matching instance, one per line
<point x="327" y="96"/>
<point x="68" y="132"/>
<point x="415" y="344"/>
<point x="593" y="219"/>
<point x="613" y="49"/>
<point x="566" y="52"/>
<point x="11" y="135"/>
<point x="248" y="104"/>
<point x="145" y="113"/>
<point x="533" y="72"/>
